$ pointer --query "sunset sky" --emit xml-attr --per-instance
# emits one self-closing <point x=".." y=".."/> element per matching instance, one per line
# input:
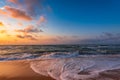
<point x="30" y="22"/>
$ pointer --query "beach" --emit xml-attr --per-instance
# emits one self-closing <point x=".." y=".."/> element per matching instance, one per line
<point x="89" y="68"/>
<point x="19" y="70"/>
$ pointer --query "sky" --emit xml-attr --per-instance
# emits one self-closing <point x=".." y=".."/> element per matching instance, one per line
<point x="35" y="22"/>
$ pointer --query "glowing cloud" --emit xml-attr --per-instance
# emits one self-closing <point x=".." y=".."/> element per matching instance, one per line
<point x="15" y="13"/>
<point x="1" y="24"/>
<point x="3" y="31"/>
<point x="29" y="6"/>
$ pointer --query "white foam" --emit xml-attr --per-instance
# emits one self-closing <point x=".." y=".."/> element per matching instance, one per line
<point x="69" y="68"/>
<point x="59" y="55"/>
<point x="16" y="56"/>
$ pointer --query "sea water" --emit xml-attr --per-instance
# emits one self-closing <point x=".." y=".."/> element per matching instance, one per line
<point x="66" y="62"/>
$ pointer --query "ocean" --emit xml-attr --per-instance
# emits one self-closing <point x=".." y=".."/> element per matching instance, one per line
<point x="65" y="62"/>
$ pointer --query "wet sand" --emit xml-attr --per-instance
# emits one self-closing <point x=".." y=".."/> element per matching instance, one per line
<point x="19" y="70"/>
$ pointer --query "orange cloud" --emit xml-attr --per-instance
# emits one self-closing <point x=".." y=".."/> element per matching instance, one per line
<point x="41" y="20"/>
<point x="15" y="13"/>
<point x="30" y="6"/>
<point x="3" y="31"/>
<point x="13" y="1"/>
<point x="1" y="24"/>
<point x="3" y="12"/>
<point x="20" y="24"/>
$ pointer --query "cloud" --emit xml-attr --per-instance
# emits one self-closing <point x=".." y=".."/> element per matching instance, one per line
<point x="105" y="38"/>
<point x="30" y="6"/>
<point x="26" y="37"/>
<point x="41" y="20"/>
<point x="111" y="36"/>
<point x="13" y="1"/>
<point x="15" y="13"/>
<point x="62" y="39"/>
<point x="3" y="12"/>
<point x="3" y="31"/>
<point x="29" y="32"/>
<point x="29" y="29"/>
<point x="1" y="24"/>
<point x="20" y="24"/>
<point x="26" y="10"/>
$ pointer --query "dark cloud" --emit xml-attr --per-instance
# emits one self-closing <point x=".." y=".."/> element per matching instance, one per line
<point x="106" y="38"/>
<point x="30" y="32"/>
<point x="26" y="37"/>
<point x="29" y="29"/>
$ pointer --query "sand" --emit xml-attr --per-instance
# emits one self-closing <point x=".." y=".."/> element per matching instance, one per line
<point x="19" y="70"/>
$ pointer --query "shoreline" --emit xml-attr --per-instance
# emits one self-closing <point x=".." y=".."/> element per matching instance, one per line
<point x="19" y="70"/>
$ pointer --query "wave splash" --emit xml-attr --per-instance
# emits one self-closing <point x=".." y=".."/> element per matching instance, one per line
<point x="74" y="68"/>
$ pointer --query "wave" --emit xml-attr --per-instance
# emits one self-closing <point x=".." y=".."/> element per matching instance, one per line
<point x="17" y="56"/>
<point x="59" y="55"/>
<point x="24" y="56"/>
<point x="74" y="68"/>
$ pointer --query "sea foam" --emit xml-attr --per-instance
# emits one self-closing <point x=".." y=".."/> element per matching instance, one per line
<point x="74" y="68"/>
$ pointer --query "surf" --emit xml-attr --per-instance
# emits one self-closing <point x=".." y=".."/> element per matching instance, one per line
<point x="75" y="68"/>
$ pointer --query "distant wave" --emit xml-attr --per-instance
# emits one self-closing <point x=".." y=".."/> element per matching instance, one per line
<point x="47" y="55"/>
<point x="17" y="56"/>
<point x="23" y="56"/>
<point x="74" y="68"/>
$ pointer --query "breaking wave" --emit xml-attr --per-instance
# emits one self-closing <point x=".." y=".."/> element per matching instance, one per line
<point x="74" y="67"/>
